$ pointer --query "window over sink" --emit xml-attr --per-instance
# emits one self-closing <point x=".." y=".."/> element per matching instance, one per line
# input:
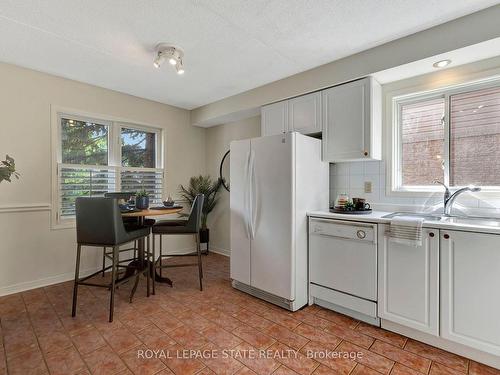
<point x="451" y="135"/>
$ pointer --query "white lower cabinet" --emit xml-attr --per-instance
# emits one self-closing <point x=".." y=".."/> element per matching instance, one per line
<point x="408" y="281"/>
<point x="470" y="289"/>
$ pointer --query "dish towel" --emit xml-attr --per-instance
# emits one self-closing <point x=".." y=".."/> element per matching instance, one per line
<point x="406" y="230"/>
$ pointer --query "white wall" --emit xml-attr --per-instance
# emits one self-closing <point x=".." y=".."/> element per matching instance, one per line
<point x="31" y="254"/>
<point x="218" y="139"/>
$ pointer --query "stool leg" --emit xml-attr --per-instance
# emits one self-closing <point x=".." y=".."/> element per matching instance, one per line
<point x="200" y="270"/>
<point x="77" y="275"/>
<point x="113" y="282"/>
<point x="161" y="256"/>
<point x="148" y="265"/>
<point x="154" y="265"/>
<point x="103" y="260"/>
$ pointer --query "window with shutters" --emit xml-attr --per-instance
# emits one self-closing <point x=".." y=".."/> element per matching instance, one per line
<point x="452" y="136"/>
<point x="97" y="156"/>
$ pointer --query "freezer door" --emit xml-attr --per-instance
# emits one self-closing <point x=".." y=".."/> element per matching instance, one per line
<point x="240" y="236"/>
<point x="271" y="171"/>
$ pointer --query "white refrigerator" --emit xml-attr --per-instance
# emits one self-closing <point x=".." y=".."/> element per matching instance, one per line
<point x="275" y="181"/>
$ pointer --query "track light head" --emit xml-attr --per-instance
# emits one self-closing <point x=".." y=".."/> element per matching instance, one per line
<point x="160" y="59"/>
<point x="179" y="67"/>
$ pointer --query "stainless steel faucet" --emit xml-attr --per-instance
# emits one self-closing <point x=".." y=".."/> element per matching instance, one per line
<point x="449" y="198"/>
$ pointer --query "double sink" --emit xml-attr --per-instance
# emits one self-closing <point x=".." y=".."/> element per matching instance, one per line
<point x="472" y="221"/>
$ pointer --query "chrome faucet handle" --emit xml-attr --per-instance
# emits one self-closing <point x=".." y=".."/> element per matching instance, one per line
<point x="442" y="183"/>
<point x="446" y="197"/>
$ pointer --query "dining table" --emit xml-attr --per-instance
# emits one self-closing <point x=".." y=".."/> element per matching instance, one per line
<point x="139" y="265"/>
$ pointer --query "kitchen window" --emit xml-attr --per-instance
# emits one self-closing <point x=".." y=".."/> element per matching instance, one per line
<point x="450" y="135"/>
<point x="96" y="156"/>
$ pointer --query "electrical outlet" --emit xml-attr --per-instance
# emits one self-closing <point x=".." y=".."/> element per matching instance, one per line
<point x="368" y="186"/>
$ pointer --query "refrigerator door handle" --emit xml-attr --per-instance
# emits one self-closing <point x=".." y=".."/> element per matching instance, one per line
<point x="246" y="196"/>
<point x="253" y="200"/>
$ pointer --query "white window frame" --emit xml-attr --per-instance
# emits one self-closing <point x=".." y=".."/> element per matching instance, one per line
<point x="394" y="175"/>
<point x="115" y="125"/>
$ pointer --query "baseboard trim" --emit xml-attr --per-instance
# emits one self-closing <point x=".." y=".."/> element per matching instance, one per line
<point x="220" y="251"/>
<point x="51" y="280"/>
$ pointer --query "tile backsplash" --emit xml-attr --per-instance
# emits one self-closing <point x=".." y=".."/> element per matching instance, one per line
<point x="350" y="178"/>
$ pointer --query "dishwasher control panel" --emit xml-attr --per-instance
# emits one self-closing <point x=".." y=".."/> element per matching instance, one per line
<point x="342" y="229"/>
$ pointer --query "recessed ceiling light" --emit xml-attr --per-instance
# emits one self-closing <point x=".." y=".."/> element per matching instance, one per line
<point x="441" y="63"/>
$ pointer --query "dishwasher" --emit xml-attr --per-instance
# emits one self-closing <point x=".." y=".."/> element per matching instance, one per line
<point x="343" y="267"/>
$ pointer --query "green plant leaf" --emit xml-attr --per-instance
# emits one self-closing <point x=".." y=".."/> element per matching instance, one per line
<point x="202" y="185"/>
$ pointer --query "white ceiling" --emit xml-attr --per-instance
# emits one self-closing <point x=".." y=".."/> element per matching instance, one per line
<point x="230" y="45"/>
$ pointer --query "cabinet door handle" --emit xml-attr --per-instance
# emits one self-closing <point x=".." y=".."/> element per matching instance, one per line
<point x="446" y="236"/>
<point x="365" y="153"/>
<point x="431" y="234"/>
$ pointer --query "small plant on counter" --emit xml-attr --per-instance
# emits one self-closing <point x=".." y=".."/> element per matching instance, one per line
<point x="8" y="169"/>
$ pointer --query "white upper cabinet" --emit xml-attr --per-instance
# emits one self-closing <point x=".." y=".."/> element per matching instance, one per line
<point x="301" y="114"/>
<point x="348" y="115"/>
<point x="304" y="114"/>
<point x="352" y="121"/>
<point x="470" y="289"/>
<point x="274" y="118"/>
<point x="408" y="286"/>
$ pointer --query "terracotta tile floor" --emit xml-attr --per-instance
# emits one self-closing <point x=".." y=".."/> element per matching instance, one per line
<point x="217" y="331"/>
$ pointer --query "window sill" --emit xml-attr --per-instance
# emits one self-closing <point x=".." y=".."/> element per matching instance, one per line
<point x="63" y="224"/>
<point x="486" y="193"/>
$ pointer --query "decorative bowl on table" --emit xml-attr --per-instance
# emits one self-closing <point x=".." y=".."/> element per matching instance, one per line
<point x="169" y="202"/>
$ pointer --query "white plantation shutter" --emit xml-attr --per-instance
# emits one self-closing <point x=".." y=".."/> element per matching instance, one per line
<point x="151" y="180"/>
<point x="82" y="181"/>
<point x="85" y="181"/>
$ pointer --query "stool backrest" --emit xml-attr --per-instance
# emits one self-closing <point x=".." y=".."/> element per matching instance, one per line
<point x="194" y="220"/>
<point x="98" y="221"/>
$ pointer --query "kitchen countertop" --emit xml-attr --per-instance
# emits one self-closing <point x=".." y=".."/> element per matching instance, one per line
<point x="377" y="217"/>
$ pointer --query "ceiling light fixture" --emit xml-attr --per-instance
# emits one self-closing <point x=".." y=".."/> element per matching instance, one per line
<point x="173" y="54"/>
<point x="441" y="63"/>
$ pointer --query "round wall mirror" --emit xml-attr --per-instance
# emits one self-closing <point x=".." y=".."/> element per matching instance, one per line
<point x="224" y="170"/>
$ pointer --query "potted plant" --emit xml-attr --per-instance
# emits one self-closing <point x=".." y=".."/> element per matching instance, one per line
<point x="8" y="169"/>
<point x="209" y="188"/>
<point x="142" y="199"/>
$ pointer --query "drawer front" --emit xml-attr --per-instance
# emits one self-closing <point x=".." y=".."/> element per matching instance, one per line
<point x="344" y="300"/>
<point x="343" y="229"/>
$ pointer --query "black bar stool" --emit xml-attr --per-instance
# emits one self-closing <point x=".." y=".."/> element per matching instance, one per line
<point x="191" y="226"/>
<point x="129" y="222"/>
<point x="99" y="223"/>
